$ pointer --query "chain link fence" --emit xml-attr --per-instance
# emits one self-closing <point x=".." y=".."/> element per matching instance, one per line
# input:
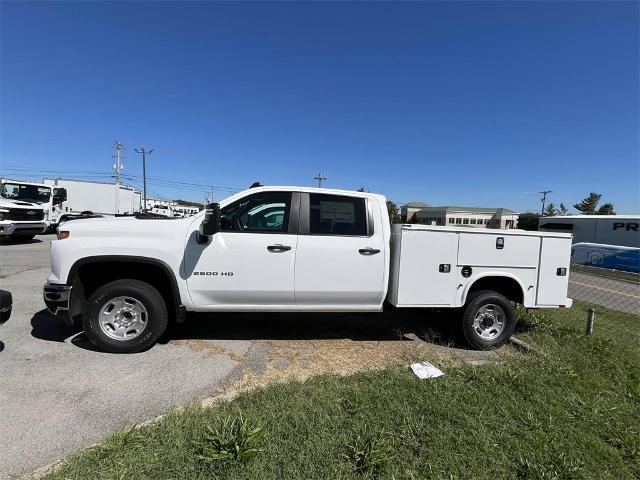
<point x="611" y="298"/>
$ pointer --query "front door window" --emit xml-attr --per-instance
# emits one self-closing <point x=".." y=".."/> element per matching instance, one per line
<point x="262" y="212"/>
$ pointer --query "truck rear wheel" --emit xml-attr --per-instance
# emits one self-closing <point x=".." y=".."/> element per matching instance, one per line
<point x="488" y="320"/>
<point x="125" y="316"/>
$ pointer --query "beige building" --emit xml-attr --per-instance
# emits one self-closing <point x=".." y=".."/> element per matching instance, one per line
<point x="474" y="217"/>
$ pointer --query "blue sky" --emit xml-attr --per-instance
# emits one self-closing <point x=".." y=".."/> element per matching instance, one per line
<point x="450" y="103"/>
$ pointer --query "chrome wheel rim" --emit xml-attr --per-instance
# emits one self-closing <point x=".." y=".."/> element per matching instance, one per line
<point x="123" y="318"/>
<point x="489" y="321"/>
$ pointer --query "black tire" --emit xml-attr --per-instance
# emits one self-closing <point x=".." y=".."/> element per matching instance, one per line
<point x="142" y="292"/>
<point x="4" y="316"/>
<point x="475" y="302"/>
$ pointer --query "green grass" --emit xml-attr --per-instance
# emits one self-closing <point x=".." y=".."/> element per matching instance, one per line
<point x="570" y="413"/>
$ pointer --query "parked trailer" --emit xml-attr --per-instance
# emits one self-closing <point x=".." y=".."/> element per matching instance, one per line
<point x="606" y="256"/>
<point x="88" y="197"/>
<point x="622" y="230"/>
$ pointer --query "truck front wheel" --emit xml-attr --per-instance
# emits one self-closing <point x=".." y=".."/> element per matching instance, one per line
<point x="488" y="320"/>
<point x="125" y="316"/>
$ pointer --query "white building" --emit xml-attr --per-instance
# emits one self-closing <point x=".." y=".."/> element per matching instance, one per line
<point x="475" y="217"/>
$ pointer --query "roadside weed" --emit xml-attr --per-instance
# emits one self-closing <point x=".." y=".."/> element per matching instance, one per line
<point x="370" y="452"/>
<point x="234" y="439"/>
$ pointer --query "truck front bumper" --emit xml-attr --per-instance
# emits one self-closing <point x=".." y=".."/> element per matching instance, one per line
<point x="56" y="298"/>
<point x="8" y="227"/>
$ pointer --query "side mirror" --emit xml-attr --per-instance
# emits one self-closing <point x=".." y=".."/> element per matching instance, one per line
<point x="211" y="223"/>
<point x="59" y="195"/>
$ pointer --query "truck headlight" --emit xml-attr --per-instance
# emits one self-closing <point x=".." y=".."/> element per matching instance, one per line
<point x="62" y="234"/>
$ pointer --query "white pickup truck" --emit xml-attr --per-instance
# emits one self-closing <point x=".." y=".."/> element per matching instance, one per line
<point x="22" y="216"/>
<point x="295" y="249"/>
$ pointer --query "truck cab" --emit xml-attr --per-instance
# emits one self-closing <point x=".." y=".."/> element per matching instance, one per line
<point x="276" y="249"/>
<point x="23" y="208"/>
<point x="44" y="197"/>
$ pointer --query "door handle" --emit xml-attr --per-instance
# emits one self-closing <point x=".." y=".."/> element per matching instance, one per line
<point x="368" y="251"/>
<point x="278" y="248"/>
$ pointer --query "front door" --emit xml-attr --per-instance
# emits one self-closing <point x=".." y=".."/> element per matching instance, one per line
<point x="340" y="262"/>
<point x="250" y="261"/>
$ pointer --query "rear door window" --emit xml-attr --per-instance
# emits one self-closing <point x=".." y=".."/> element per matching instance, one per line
<point x="337" y="215"/>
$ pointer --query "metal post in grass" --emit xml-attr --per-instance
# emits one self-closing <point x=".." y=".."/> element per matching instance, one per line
<point x="591" y="316"/>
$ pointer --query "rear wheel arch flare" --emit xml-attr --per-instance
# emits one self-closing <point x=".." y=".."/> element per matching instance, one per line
<point x="507" y="285"/>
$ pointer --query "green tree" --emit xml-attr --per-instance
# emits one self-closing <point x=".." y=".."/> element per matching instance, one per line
<point x="550" y="210"/>
<point x="606" y="209"/>
<point x="563" y="210"/>
<point x="528" y="221"/>
<point x="394" y="215"/>
<point x="589" y="205"/>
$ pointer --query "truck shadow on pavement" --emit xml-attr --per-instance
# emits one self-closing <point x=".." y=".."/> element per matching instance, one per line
<point x="6" y="241"/>
<point x="45" y="326"/>
<point x="436" y="328"/>
<point x="383" y="326"/>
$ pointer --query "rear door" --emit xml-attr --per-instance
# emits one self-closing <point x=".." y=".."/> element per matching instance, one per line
<point x="340" y="261"/>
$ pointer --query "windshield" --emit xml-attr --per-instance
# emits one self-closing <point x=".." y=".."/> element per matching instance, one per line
<point x="28" y="193"/>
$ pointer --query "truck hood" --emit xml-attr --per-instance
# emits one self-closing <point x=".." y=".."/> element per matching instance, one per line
<point x="21" y="204"/>
<point x="126" y="226"/>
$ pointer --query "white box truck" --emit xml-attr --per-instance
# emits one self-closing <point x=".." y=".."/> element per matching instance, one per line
<point x="296" y="249"/>
<point x="91" y="198"/>
<point x="62" y="199"/>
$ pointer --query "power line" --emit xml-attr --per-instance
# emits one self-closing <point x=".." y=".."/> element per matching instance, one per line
<point x="84" y="173"/>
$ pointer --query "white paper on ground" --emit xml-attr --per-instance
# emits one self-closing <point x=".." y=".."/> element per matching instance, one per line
<point x="426" y="370"/>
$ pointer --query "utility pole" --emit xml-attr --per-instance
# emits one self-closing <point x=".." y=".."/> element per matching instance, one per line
<point x="118" y="167"/>
<point x="320" y="179"/>
<point x="544" y="199"/>
<point x="144" y="154"/>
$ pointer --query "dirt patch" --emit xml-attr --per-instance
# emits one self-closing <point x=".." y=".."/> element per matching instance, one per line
<point x="210" y="349"/>
<point x="286" y="360"/>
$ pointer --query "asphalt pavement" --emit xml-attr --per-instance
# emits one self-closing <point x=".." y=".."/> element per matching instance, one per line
<point x="609" y="292"/>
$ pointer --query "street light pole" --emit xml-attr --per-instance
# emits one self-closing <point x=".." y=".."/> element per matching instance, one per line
<point x="144" y="154"/>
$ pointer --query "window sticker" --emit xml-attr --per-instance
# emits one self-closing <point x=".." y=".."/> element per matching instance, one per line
<point x="337" y="212"/>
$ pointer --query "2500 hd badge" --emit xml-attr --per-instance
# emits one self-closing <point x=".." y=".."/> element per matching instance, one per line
<point x="215" y="274"/>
